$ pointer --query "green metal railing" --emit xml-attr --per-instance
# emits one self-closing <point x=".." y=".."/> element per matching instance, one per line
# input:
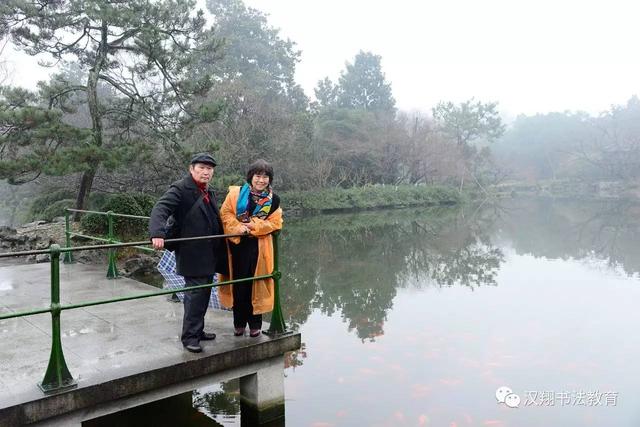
<point x="112" y="269"/>
<point x="57" y="376"/>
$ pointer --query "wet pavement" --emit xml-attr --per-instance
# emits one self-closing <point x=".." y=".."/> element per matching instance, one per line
<point x="100" y="343"/>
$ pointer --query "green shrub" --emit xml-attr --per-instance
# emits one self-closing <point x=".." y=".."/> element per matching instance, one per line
<point x="145" y="201"/>
<point x="124" y="228"/>
<point x="44" y="201"/>
<point x="97" y="200"/>
<point x="56" y="209"/>
<point x="94" y="224"/>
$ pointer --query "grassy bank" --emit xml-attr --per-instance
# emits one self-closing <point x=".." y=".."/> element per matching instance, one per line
<point x="369" y="197"/>
<point x="52" y="204"/>
<point x="572" y="189"/>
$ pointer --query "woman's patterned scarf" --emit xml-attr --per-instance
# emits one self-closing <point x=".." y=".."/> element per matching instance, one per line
<point x="262" y="201"/>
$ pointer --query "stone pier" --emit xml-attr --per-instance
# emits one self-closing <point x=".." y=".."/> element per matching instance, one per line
<point x="123" y="354"/>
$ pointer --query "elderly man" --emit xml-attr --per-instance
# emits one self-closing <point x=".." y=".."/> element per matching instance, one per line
<point x="195" y="213"/>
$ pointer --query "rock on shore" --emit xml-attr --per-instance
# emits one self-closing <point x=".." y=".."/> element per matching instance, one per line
<point x="39" y="235"/>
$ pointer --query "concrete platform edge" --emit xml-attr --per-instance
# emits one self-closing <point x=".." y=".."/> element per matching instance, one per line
<point x="49" y="406"/>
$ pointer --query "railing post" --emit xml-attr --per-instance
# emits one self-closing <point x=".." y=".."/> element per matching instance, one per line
<point x="277" y="325"/>
<point x="68" y="256"/>
<point x="57" y="376"/>
<point x="112" y="271"/>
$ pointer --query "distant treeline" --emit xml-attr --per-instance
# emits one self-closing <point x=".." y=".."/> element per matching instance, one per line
<point x="574" y="145"/>
<point x="141" y="86"/>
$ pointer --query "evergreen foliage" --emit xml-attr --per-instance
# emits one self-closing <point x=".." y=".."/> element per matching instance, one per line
<point x="46" y="201"/>
<point x="363" y="85"/>
<point x="122" y="203"/>
<point x="140" y="50"/>
<point x="56" y="209"/>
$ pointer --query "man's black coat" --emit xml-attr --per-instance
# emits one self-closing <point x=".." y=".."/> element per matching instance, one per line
<point x="200" y="257"/>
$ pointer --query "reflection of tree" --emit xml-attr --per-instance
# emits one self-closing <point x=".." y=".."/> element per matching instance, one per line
<point x="534" y="226"/>
<point x="357" y="277"/>
<point x="577" y="229"/>
<point x="293" y="359"/>
<point x="354" y="263"/>
<point x="460" y="253"/>
<point x="471" y="265"/>
<point x="612" y="234"/>
<point x="222" y="402"/>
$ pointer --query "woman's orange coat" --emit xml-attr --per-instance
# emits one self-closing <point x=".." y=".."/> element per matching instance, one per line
<point x="262" y="292"/>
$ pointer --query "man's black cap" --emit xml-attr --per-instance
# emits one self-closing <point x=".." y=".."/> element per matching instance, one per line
<point x="203" y="158"/>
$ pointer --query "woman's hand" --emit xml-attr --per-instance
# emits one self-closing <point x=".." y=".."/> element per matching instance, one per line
<point x="263" y="227"/>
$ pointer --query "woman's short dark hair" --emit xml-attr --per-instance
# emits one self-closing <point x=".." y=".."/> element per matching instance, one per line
<point x="261" y="167"/>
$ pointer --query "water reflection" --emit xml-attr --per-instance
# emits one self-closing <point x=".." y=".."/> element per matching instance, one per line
<point x="354" y="264"/>
<point x="215" y="406"/>
<point x="221" y="403"/>
<point x="416" y="317"/>
<point x="607" y="231"/>
<point x="173" y="411"/>
<point x="552" y="309"/>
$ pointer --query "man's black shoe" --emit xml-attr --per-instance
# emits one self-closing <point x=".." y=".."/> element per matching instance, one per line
<point x="208" y="336"/>
<point x="193" y="348"/>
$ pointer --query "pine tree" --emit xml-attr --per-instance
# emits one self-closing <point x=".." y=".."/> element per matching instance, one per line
<point x="139" y="50"/>
<point x="363" y="85"/>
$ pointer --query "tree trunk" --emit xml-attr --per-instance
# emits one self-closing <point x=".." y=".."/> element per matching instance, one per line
<point x="86" y="181"/>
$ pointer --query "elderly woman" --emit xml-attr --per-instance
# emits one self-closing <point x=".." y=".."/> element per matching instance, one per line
<point x="254" y="210"/>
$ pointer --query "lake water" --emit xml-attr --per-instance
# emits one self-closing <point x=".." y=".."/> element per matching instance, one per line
<point x="417" y="317"/>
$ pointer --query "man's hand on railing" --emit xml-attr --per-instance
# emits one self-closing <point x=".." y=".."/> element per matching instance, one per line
<point x="158" y="243"/>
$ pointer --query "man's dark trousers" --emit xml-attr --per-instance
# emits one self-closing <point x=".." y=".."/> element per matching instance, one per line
<point x="195" y="307"/>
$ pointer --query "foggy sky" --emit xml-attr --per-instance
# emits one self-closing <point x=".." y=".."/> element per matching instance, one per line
<point x="530" y="56"/>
